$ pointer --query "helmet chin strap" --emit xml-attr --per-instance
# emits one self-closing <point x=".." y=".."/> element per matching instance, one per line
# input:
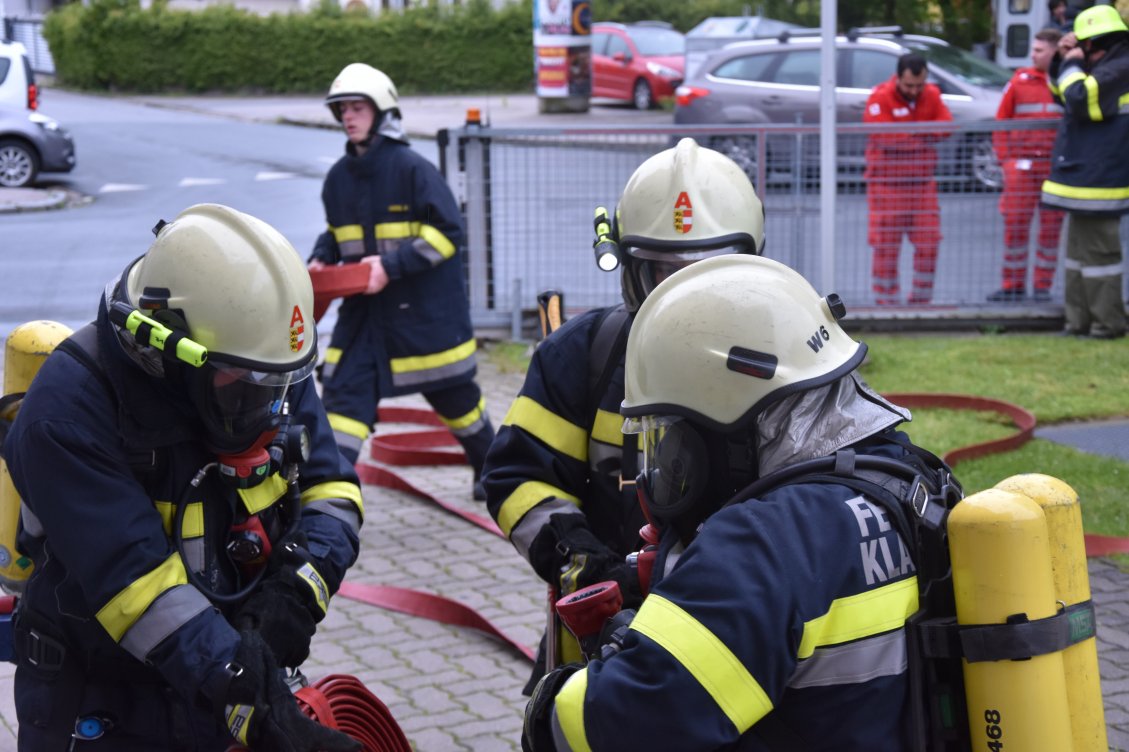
<point x="250" y="467"/>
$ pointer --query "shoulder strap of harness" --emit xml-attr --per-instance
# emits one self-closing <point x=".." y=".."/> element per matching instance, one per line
<point x="606" y="347"/>
<point x="83" y="347"/>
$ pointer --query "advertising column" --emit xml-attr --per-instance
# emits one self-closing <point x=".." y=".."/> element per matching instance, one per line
<point x="562" y="54"/>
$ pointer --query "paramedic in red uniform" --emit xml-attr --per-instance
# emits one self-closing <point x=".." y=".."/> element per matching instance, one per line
<point x="1026" y="159"/>
<point x="901" y="191"/>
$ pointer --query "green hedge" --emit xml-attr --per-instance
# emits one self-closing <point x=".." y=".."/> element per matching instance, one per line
<point x="113" y="44"/>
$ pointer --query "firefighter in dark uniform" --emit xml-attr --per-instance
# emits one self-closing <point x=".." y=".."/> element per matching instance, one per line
<point x="389" y="208"/>
<point x="1089" y="172"/>
<point x="185" y="505"/>
<point x="778" y="618"/>
<point x="553" y="476"/>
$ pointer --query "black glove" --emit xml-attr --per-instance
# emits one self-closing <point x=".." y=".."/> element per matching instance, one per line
<point x="289" y="603"/>
<point x="569" y="549"/>
<point x="537" y="730"/>
<point x="262" y="713"/>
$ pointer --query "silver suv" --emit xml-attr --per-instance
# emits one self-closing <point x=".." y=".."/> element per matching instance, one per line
<point x="777" y="81"/>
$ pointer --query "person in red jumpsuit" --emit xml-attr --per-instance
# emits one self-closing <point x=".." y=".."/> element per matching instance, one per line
<point x="901" y="190"/>
<point x="1026" y="159"/>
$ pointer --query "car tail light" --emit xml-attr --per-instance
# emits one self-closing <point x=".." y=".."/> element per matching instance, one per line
<point x="684" y="95"/>
<point x="32" y="97"/>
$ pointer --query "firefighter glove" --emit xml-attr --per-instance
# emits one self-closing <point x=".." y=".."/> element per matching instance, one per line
<point x="537" y="731"/>
<point x="289" y="603"/>
<point x="263" y="714"/>
<point x="580" y="560"/>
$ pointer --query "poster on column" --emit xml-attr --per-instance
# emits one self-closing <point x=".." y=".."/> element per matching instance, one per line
<point x="562" y="44"/>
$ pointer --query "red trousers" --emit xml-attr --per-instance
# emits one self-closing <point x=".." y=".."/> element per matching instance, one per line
<point x="1023" y="182"/>
<point x="903" y="208"/>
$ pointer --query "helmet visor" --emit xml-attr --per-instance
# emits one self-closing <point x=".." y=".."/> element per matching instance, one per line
<point x="655" y="264"/>
<point x="672" y="461"/>
<point x="238" y="405"/>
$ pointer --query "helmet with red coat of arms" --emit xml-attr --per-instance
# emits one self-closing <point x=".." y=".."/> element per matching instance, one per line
<point x="680" y="206"/>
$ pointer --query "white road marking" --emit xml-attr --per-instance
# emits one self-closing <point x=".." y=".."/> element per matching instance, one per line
<point x="121" y="187"/>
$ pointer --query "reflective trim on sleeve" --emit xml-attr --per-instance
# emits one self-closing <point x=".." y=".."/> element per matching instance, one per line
<point x="257" y="498"/>
<point x="854" y="662"/>
<point x="436" y="247"/>
<point x="469" y="424"/>
<point x="193" y="523"/>
<point x="333" y="355"/>
<point x="568" y="715"/>
<point x="345" y="233"/>
<point x="316" y="583"/>
<point x="167" y="614"/>
<point x="1093" y="107"/>
<point x="608" y="428"/>
<point x="346" y="425"/>
<point x="548" y="427"/>
<point x="339" y="499"/>
<point x="417" y="369"/>
<point x="1123" y="104"/>
<point x="1069" y="80"/>
<point x="863" y="615"/>
<point x="125" y="608"/>
<point x="535" y="520"/>
<point x="721" y="673"/>
<point x="524" y="498"/>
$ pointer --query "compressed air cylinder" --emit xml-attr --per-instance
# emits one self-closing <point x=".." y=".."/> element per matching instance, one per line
<point x="27" y="347"/>
<point x="1072" y="585"/>
<point x="1001" y="562"/>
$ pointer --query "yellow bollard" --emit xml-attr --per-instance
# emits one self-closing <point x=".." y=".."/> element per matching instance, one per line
<point x="1001" y="563"/>
<point x="27" y="347"/>
<point x="1072" y="585"/>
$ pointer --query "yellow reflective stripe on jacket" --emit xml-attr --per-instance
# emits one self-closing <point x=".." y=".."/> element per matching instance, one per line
<point x="1123" y="103"/>
<point x="1067" y="81"/>
<point x="550" y="428"/>
<point x="348" y="426"/>
<point x="334" y="489"/>
<point x="525" y="497"/>
<point x="466" y="420"/>
<point x="332" y="354"/>
<point x="570" y="711"/>
<point x="857" y="616"/>
<point x="608" y="428"/>
<point x="721" y="673"/>
<point x="1075" y="191"/>
<point x="1092" y="105"/>
<point x="257" y="498"/>
<point x="193" y="524"/>
<point x="345" y="233"/>
<point x="435" y="360"/>
<point x="125" y="608"/>
<point x="431" y="235"/>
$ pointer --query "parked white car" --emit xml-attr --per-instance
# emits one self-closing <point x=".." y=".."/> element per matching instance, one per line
<point x="17" y="80"/>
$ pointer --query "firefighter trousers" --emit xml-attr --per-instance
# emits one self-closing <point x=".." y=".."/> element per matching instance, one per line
<point x="1094" y="303"/>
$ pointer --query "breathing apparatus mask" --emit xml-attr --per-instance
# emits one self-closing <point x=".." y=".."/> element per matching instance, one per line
<point x="688" y="472"/>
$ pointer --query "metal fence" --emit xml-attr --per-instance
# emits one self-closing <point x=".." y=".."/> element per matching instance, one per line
<point x="528" y="197"/>
<point x="29" y="32"/>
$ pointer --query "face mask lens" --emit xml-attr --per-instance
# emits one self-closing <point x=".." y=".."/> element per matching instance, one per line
<point x="656" y="265"/>
<point x="239" y="405"/>
<point x="672" y="461"/>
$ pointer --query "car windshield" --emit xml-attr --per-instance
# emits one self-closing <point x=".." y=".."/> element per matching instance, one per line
<point x="658" y="42"/>
<point x="962" y="64"/>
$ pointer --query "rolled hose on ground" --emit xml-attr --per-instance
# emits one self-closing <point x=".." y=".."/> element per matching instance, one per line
<point x="343" y="702"/>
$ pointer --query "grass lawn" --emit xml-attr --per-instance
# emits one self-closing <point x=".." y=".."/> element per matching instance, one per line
<point x="1059" y="379"/>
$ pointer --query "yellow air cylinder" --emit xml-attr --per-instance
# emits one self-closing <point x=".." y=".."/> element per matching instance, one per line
<point x="1072" y="585"/>
<point x="27" y="347"/>
<point x="1001" y="563"/>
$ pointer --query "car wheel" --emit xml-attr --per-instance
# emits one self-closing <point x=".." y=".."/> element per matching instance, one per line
<point x="983" y="167"/>
<point x="19" y="164"/>
<point x="641" y="95"/>
<point x="742" y="150"/>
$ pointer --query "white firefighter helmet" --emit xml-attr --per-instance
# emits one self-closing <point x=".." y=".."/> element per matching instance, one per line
<point x="680" y="206"/>
<point x="362" y="81"/>
<point x="236" y="286"/>
<point x="721" y="340"/>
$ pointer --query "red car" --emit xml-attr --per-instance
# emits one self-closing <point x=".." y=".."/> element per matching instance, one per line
<point x="641" y="63"/>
